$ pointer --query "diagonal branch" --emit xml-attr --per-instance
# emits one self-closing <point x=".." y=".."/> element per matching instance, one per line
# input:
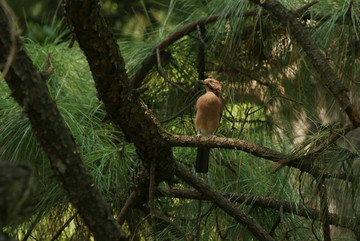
<point x="228" y="207"/>
<point x="320" y="63"/>
<point x="150" y="61"/>
<point x="263" y="202"/>
<point x="164" y="75"/>
<point x="30" y="91"/>
<point x="122" y="103"/>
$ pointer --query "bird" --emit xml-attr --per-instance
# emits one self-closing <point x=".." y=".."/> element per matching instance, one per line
<point x="208" y="114"/>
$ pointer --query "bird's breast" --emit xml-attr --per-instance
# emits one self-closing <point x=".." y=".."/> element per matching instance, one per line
<point x="208" y="112"/>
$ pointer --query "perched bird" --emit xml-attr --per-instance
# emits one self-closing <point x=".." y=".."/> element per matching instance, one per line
<point x="208" y="113"/>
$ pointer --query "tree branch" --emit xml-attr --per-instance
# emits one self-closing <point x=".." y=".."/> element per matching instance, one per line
<point x="238" y="214"/>
<point x="30" y="91"/>
<point x="150" y="61"/>
<point x="303" y="163"/>
<point x="263" y="202"/>
<point x="324" y="209"/>
<point x="164" y="75"/>
<point x="121" y="102"/>
<point x="320" y="63"/>
<point x="13" y="35"/>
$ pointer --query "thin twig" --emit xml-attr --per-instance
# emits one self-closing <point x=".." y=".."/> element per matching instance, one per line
<point x="201" y="57"/>
<point x="127" y="206"/>
<point x="151" y="195"/>
<point x="64" y="226"/>
<point x="183" y="109"/>
<point x="232" y="116"/>
<point x="164" y="75"/>
<point x="301" y="10"/>
<point x="33" y="224"/>
<point x="200" y="35"/>
<point x="13" y="33"/>
<point x="243" y="124"/>
<point x="48" y="69"/>
<point x="72" y="41"/>
<point x="248" y="113"/>
<point x="324" y="209"/>
<point x="198" y="221"/>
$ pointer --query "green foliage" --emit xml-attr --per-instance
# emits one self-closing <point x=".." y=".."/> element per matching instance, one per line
<point x="107" y="157"/>
<point x="263" y="72"/>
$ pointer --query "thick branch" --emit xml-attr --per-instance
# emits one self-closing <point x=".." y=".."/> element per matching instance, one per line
<point x="121" y="102"/>
<point x="304" y="163"/>
<point x="30" y="91"/>
<point x="263" y="202"/>
<point x="238" y="214"/>
<point x="327" y="75"/>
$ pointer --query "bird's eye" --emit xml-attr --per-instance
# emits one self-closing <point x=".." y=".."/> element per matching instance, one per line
<point x="211" y="82"/>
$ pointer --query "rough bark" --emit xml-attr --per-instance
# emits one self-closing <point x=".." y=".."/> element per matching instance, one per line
<point x="30" y="91"/>
<point x="263" y="202"/>
<point x="317" y="58"/>
<point x="303" y="163"/>
<point x="113" y="86"/>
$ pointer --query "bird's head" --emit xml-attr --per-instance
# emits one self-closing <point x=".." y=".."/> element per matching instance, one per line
<point x="211" y="85"/>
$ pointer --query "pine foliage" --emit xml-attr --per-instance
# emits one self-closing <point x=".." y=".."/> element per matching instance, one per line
<point x="273" y="97"/>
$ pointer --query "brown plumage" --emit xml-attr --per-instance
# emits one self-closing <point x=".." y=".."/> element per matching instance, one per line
<point x="208" y="113"/>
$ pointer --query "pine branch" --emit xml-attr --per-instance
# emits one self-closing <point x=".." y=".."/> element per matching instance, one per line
<point x="30" y="91"/>
<point x="303" y="163"/>
<point x="263" y="202"/>
<point x="121" y="102"/>
<point x="150" y="61"/>
<point x="223" y="203"/>
<point x="317" y="58"/>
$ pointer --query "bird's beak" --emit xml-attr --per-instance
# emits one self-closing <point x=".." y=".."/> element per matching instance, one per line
<point x="202" y="82"/>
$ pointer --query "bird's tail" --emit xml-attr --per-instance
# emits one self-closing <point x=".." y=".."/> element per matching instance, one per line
<point x="202" y="159"/>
